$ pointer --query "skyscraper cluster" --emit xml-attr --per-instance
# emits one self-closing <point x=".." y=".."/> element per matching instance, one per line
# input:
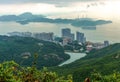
<point x="68" y="36"/>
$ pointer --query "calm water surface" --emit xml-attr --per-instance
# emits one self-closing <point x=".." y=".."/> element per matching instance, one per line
<point x="73" y="57"/>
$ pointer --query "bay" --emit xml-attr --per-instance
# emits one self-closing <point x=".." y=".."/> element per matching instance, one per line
<point x="73" y="57"/>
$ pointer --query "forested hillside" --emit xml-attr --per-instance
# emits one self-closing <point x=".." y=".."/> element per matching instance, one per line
<point x="98" y="65"/>
<point x="13" y="72"/>
<point x="22" y="49"/>
<point x="105" y="61"/>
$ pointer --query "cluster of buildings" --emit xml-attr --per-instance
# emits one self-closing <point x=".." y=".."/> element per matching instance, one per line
<point x="91" y="45"/>
<point x="42" y="36"/>
<point x="21" y="34"/>
<point x="69" y="37"/>
<point x="81" y="39"/>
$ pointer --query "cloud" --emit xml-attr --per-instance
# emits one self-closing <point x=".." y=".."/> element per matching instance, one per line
<point x="41" y="1"/>
<point x="57" y="3"/>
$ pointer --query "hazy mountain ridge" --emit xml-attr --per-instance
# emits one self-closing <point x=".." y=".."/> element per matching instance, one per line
<point x="89" y="23"/>
<point x="26" y="18"/>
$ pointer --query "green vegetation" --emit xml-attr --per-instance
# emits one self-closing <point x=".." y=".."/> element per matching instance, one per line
<point x="98" y="77"/>
<point x="104" y="61"/>
<point x="12" y="72"/>
<point x="21" y="50"/>
<point x="99" y="65"/>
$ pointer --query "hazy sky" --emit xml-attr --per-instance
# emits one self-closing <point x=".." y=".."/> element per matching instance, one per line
<point x="63" y="8"/>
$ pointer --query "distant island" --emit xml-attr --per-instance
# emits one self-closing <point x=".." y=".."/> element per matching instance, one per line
<point x="26" y="18"/>
<point x="86" y="23"/>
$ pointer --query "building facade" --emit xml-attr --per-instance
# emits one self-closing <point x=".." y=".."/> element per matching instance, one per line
<point x="80" y="37"/>
<point x="44" y="36"/>
<point x="66" y="33"/>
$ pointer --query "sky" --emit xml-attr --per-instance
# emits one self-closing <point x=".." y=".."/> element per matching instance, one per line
<point x="107" y="9"/>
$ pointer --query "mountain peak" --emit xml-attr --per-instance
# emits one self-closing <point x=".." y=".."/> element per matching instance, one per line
<point x="26" y="13"/>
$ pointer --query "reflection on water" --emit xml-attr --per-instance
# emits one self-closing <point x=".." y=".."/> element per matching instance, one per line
<point x="73" y="57"/>
<point x="109" y="32"/>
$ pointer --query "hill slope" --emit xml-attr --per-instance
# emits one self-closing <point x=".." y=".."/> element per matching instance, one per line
<point x="22" y="49"/>
<point x="105" y="61"/>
